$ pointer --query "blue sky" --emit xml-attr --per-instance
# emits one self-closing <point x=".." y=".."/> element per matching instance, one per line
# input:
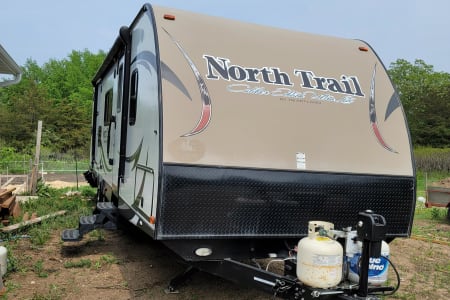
<point x="407" y="29"/>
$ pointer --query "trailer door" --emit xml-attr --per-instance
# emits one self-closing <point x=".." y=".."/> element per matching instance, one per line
<point x="115" y="132"/>
<point x="105" y="127"/>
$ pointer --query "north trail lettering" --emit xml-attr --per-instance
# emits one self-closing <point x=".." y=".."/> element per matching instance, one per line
<point x="222" y="68"/>
<point x="218" y="66"/>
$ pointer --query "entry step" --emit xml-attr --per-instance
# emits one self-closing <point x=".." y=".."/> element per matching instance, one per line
<point x="106" y="206"/>
<point x="88" y="220"/>
<point x="71" y="235"/>
<point x="105" y="217"/>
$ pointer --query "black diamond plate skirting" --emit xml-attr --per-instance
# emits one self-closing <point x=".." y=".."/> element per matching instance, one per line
<point x="214" y="202"/>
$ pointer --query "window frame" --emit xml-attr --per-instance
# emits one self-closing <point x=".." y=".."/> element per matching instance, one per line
<point x="134" y="85"/>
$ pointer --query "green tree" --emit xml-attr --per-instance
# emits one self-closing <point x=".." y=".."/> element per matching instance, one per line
<point x="60" y="94"/>
<point x="73" y="131"/>
<point x="425" y="95"/>
<point x="18" y="118"/>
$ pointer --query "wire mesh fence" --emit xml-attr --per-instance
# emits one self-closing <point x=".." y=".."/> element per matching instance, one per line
<point x="45" y="167"/>
<point x="19" y="172"/>
<point x="53" y="166"/>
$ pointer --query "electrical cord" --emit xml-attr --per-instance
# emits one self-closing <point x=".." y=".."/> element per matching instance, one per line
<point x="398" y="280"/>
<point x="278" y="260"/>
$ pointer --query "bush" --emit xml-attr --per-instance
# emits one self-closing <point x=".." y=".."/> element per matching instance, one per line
<point x="9" y="158"/>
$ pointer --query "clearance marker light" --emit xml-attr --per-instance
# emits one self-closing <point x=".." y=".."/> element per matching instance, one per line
<point x="169" y="17"/>
<point x="203" y="251"/>
<point x="152" y="220"/>
<point x="363" y="48"/>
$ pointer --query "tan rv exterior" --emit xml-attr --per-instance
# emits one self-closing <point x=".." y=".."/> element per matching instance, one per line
<point x="279" y="99"/>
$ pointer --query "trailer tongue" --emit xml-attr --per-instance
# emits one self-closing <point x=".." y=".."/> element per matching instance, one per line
<point x="321" y="271"/>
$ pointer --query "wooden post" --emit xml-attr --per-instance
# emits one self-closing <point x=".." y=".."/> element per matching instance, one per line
<point x="34" y="171"/>
<point x="76" y="169"/>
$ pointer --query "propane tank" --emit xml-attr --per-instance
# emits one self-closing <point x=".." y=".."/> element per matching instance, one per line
<point x="378" y="267"/>
<point x="319" y="258"/>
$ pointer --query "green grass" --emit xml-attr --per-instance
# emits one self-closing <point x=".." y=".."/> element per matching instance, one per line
<point x="429" y="231"/>
<point x="438" y="214"/>
<point x="49" y="201"/>
<point x="38" y="268"/>
<point x="54" y="293"/>
<point x="82" y="263"/>
<point x="52" y="200"/>
<point x="107" y="259"/>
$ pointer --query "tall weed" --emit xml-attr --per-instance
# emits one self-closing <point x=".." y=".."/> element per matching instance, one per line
<point x="432" y="159"/>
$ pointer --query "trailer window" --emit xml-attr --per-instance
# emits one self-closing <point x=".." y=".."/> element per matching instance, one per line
<point x="133" y="97"/>
<point x="119" y="89"/>
<point x="108" y="107"/>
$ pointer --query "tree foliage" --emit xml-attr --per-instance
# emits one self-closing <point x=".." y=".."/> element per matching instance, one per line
<point x="60" y="94"/>
<point x="425" y="95"/>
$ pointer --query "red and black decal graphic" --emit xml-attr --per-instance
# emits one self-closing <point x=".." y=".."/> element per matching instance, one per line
<point x="373" y="114"/>
<point x="205" y="117"/>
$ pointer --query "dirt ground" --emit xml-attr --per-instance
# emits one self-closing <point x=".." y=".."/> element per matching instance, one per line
<point x="127" y="264"/>
<point x="424" y="264"/>
<point x="132" y="266"/>
<point x="141" y="269"/>
<point x="445" y="183"/>
<point x="61" y="180"/>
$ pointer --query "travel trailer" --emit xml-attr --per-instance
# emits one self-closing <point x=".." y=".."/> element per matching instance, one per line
<point x="224" y="140"/>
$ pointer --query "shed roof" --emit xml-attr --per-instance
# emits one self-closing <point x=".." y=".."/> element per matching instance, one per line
<point x="8" y="67"/>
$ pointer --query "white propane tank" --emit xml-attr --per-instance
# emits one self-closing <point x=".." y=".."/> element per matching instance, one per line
<point x="3" y="260"/>
<point x="319" y="258"/>
<point x="378" y="267"/>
